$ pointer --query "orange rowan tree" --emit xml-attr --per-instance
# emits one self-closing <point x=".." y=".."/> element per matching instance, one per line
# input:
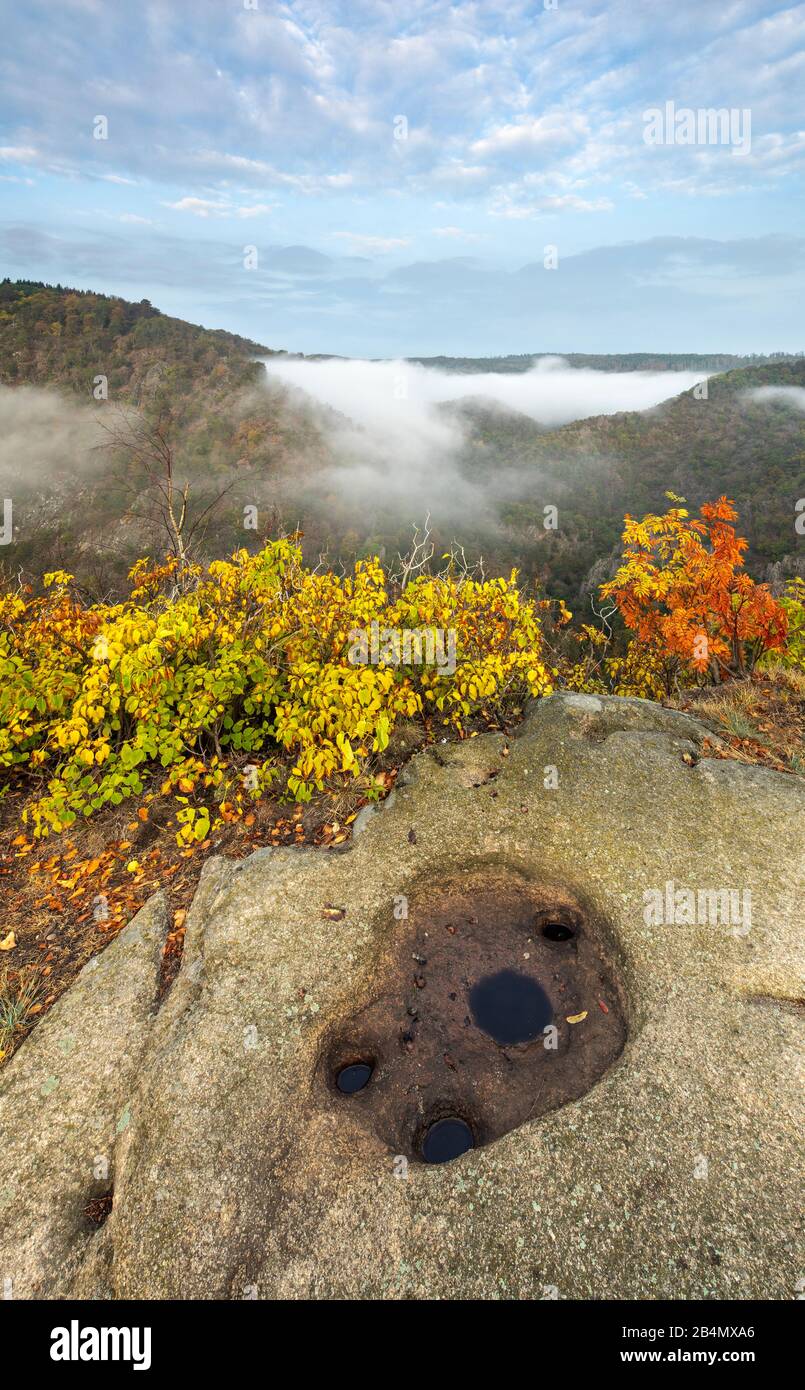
<point x="682" y="592"/>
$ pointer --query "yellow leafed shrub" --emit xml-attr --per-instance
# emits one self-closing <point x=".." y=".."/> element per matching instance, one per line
<point x="253" y="656"/>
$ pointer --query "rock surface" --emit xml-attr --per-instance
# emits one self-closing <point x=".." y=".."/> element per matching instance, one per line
<point x="239" y="1172"/>
<point x="65" y="1102"/>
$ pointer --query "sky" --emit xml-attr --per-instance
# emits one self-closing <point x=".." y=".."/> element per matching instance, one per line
<point x="386" y="179"/>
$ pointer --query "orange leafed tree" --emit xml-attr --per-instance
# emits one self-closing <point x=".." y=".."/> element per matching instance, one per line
<point x="682" y="591"/>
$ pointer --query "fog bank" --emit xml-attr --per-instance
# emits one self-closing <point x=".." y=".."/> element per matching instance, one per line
<point x="395" y="446"/>
<point x="385" y="395"/>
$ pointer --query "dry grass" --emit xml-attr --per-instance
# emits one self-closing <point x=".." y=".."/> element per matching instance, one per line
<point x="762" y="718"/>
<point x="20" y="999"/>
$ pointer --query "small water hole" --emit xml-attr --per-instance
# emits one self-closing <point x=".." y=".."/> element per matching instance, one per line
<point x="354" y="1077"/>
<point x="447" y="1139"/>
<point x="558" y="931"/>
<point x="510" y="1007"/>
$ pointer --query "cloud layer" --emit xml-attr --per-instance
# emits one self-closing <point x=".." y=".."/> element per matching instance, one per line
<point x="398" y="446"/>
<point x="354" y="144"/>
<point x="668" y="294"/>
<point x="520" y="101"/>
<point x="389" y="399"/>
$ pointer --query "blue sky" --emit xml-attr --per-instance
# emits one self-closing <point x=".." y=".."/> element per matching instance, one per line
<point x="240" y="123"/>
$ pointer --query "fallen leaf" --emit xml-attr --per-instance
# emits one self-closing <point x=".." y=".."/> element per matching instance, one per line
<point x="577" y="1018"/>
<point x="9" y="942"/>
<point x="333" y="914"/>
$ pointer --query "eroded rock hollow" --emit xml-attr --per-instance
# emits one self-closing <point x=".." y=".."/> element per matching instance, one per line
<point x="478" y="1016"/>
<point x="654" y="1153"/>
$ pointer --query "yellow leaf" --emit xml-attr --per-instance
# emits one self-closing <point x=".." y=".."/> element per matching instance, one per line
<point x="577" y="1018"/>
<point x="9" y="942"/>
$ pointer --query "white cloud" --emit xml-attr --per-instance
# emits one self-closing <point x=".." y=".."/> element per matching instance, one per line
<point x="484" y="88"/>
<point x="506" y="203"/>
<point x="380" y="245"/>
<point x="201" y="207"/>
<point x="456" y="234"/>
<point x="530" y="136"/>
<point x="212" y="207"/>
<point x="21" y="154"/>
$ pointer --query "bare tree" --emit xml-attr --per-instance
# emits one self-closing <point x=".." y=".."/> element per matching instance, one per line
<point x="460" y="569"/>
<point x="149" y="476"/>
<point x="417" y="558"/>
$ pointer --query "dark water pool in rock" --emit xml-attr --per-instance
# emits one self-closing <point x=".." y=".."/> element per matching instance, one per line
<point x="510" y="1007"/>
<point x="353" y="1078"/>
<point x="557" y="931"/>
<point x="457" y="1024"/>
<point x="446" y="1139"/>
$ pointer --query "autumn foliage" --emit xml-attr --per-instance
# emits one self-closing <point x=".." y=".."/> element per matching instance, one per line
<point x="230" y="679"/>
<point x="681" y="590"/>
<point x="238" y="676"/>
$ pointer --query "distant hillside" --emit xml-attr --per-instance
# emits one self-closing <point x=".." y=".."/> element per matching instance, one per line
<point x="228" y="427"/>
<point x="610" y="362"/>
<point x="274" y="448"/>
<point x="51" y="335"/>
<point x="602" y="467"/>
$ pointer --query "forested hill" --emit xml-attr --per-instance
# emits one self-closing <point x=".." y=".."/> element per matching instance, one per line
<point x="55" y="336"/>
<point x="611" y="361"/>
<point x="601" y="467"/>
<point x="274" y="448"/>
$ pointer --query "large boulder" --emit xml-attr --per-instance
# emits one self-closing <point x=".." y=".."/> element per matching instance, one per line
<point x="650" y="1150"/>
<point x="65" y="1100"/>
